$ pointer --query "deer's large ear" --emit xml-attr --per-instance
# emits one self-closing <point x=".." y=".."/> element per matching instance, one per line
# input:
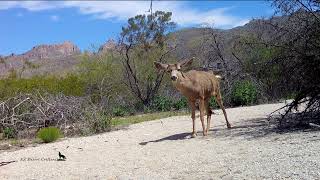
<point x="186" y="62"/>
<point x="160" y="66"/>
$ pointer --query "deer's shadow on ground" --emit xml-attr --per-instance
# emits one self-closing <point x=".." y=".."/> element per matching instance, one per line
<point x="248" y="129"/>
<point x="179" y="136"/>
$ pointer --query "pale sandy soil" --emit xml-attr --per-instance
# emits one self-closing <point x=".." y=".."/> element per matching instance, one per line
<point x="163" y="149"/>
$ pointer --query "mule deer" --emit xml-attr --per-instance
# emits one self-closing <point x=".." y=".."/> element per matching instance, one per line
<point x="196" y="85"/>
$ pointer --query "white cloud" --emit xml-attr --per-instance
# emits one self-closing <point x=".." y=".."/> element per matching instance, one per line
<point x="121" y="10"/>
<point x="242" y="22"/>
<point x="7" y="4"/>
<point x="54" y="18"/>
<point x="31" y="5"/>
<point x="215" y="17"/>
<point x="110" y="9"/>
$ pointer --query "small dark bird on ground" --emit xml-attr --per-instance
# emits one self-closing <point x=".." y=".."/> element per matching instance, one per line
<point x="5" y="163"/>
<point x="61" y="156"/>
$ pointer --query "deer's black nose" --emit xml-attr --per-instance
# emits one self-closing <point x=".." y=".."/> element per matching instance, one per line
<point x="173" y="78"/>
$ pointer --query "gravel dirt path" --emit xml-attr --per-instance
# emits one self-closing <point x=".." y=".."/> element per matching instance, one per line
<point x="163" y="149"/>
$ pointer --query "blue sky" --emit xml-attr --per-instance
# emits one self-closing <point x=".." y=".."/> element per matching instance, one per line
<point x="88" y="24"/>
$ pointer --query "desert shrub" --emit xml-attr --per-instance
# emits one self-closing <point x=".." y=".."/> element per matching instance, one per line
<point x="96" y="121"/>
<point x="243" y="93"/>
<point x="120" y="111"/>
<point x="213" y="103"/>
<point x="49" y="134"/>
<point x="102" y="124"/>
<point x="138" y="106"/>
<point x="161" y="103"/>
<point x="100" y="74"/>
<point x="70" y="85"/>
<point x="9" y="132"/>
<point x="182" y="103"/>
<point x="34" y="110"/>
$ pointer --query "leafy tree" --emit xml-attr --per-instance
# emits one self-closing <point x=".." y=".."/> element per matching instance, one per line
<point x="286" y="61"/>
<point x="143" y="41"/>
<point x="299" y="42"/>
<point x="215" y="54"/>
<point x="253" y="57"/>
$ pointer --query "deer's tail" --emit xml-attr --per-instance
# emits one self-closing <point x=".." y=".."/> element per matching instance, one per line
<point x="218" y="77"/>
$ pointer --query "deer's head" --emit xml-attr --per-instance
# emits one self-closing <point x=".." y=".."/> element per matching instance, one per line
<point x="173" y="69"/>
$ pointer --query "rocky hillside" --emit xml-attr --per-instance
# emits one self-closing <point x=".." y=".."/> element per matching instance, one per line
<point x="42" y="59"/>
<point x="110" y="45"/>
<point x="199" y="42"/>
<point x="47" y="51"/>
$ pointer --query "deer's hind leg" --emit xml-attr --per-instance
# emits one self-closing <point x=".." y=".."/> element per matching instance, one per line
<point x="202" y="108"/>
<point x="220" y="103"/>
<point x="209" y="112"/>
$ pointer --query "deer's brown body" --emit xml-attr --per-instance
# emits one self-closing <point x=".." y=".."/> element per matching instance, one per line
<point x="196" y="85"/>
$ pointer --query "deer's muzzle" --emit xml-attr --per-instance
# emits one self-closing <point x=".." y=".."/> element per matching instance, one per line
<point x="174" y="78"/>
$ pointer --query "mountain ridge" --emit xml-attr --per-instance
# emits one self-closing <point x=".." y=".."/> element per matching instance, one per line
<point x="64" y="56"/>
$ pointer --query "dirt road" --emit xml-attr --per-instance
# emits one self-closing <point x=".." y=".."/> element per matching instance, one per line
<point x="163" y="149"/>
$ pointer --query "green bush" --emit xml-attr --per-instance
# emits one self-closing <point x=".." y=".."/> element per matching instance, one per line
<point x="181" y="104"/>
<point x="71" y="84"/>
<point x="9" y="132"/>
<point x="244" y="93"/>
<point x="138" y="106"/>
<point x="162" y="103"/>
<point x="101" y="123"/>
<point x="100" y="75"/>
<point x="120" y="111"/>
<point x="49" y="134"/>
<point x="291" y="95"/>
<point x="213" y="103"/>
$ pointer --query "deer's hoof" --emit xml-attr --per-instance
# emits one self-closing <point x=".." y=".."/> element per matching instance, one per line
<point x="205" y="133"/>
<point x="207" y="130"/>
<point x="193" y="135"/>
<point x="229" y="126"/>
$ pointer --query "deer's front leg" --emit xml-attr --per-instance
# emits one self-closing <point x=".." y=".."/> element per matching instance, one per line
<point x="193" y="117"/>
